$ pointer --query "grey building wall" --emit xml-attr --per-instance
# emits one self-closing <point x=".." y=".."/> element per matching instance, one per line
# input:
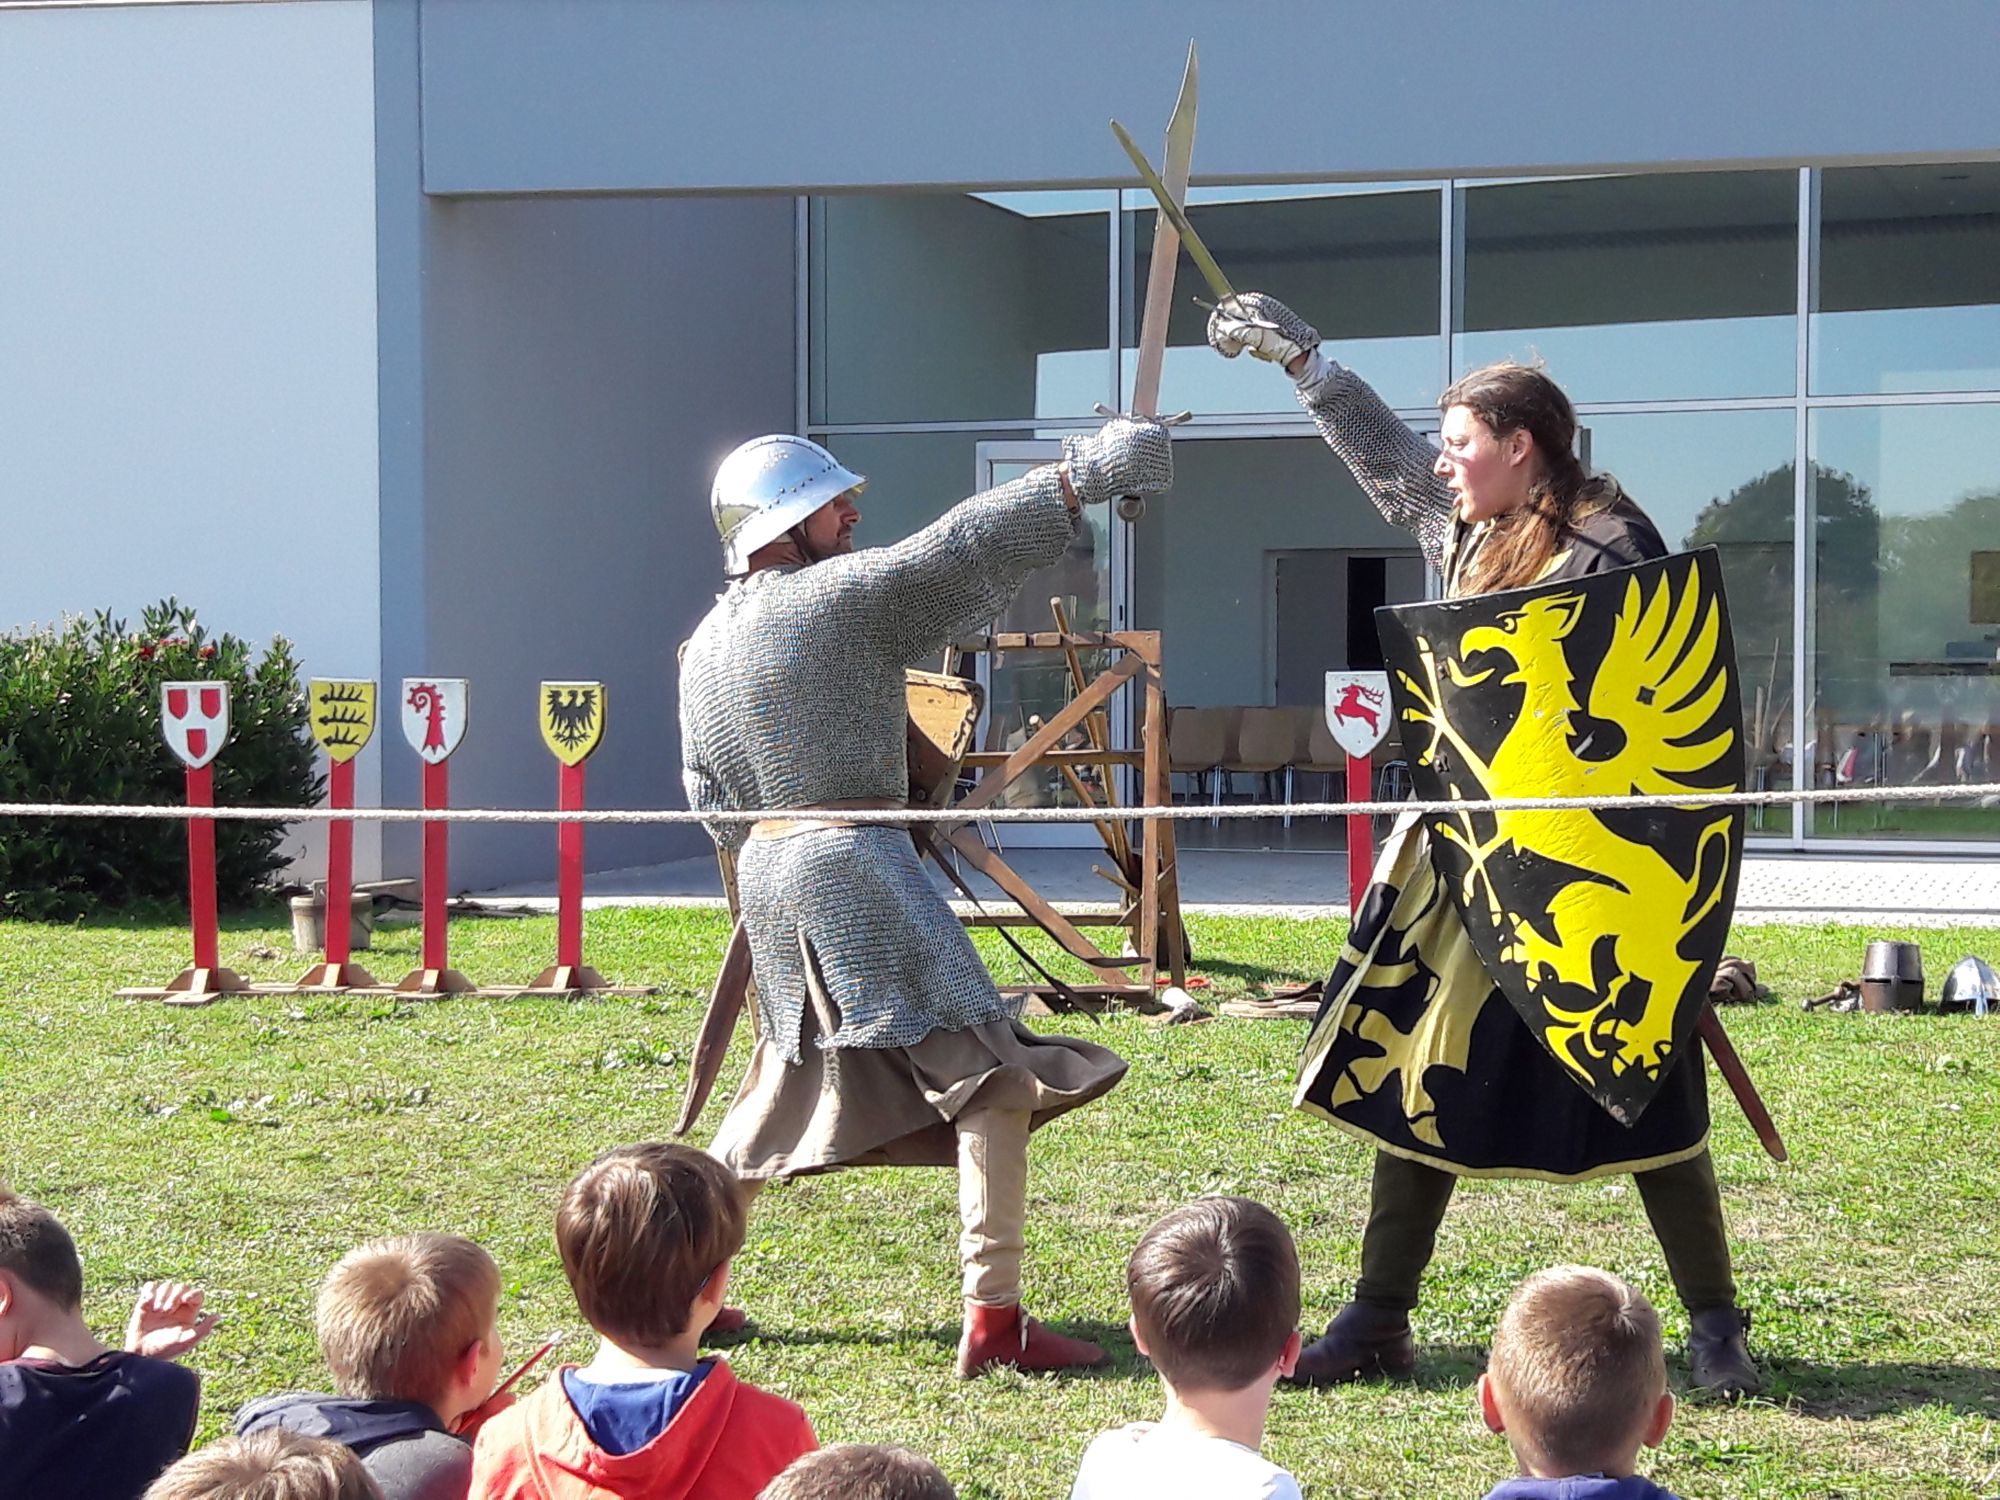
<point x="188" y="299"/>
<point x="614" y="95"/>
<point x="586" y="363"/>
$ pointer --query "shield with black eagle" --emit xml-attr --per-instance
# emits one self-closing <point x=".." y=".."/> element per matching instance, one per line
<point x="1601" y="926"/>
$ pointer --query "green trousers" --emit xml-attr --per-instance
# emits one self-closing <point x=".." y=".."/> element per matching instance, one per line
<point x="1407" y="1201"/>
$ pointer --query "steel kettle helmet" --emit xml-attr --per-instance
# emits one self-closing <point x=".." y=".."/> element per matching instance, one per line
<point x="766" y="487"/>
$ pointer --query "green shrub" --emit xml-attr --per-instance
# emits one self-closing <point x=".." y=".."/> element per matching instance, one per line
<point x="80" y="723"/>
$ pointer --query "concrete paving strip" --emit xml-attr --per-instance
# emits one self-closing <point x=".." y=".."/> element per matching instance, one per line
<point x="1797" y="889"/>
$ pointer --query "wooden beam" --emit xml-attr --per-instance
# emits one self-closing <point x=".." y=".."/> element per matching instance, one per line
<point x="1051" y="921"/>
<point x="1049" y="735"/>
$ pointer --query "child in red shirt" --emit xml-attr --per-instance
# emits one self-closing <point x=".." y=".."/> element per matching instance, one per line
<point x="646" y="1234"/>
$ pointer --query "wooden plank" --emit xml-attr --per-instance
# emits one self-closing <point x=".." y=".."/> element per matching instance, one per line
<point x="1134" y="758"/>
<point x="1051" y="921"/>
<point x="1146" y="941"/>
<point x="1025" y="921"/>
<point x="1049" y="735"/>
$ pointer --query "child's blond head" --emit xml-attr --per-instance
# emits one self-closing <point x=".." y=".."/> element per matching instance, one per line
<point x="860" y="1471"/>
<point x="1577" y="1370"/>
<point x="395" y="1315"/>
<point x="270" y="1465"/>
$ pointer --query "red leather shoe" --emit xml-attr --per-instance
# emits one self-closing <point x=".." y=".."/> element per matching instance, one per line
<point x="729" y="1320"/>
<point x="1008" y="1336"/>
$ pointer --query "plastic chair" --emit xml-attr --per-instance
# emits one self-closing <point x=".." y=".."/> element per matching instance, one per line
<point x="1197" y="745"/>
<point x="1263" y="745"/>
<point x="1323" y="756"/>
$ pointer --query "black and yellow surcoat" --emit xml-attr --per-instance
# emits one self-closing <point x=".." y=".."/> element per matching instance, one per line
<point x="1415" y="1049"/>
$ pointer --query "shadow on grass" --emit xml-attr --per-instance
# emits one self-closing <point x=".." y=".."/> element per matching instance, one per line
<point x="1114" y="1338"/>
<point x="1838" y="1392"/>
<point x="1262" y="974"/>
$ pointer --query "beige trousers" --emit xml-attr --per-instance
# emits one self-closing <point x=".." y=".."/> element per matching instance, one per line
<point x="992" y="1203"/>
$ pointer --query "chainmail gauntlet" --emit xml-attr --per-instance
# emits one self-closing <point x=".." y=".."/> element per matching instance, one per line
<point x="1260" y="323"/>
<point x="1126" y="456"/>
<point x="1388" y="460"/>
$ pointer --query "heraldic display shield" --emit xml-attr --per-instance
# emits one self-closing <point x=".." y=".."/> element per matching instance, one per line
<point x="572" y="715"/>
<point x="1601" y="927"/>
<point x="341" y="711"/>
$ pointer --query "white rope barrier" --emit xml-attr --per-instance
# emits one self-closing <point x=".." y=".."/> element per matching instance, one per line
<point x="901" y="816"/>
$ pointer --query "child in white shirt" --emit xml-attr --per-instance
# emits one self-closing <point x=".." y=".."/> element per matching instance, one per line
<point x="1215" y="1306"/>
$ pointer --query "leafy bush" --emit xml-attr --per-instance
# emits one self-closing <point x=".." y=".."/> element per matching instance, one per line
<point x="80" y="722"/>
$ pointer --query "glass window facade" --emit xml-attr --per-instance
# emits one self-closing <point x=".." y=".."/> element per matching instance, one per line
<point x="1365" y="263"/>
<point x="1908" y="294"/>
<point x="1800" y="368"/>
<point x="958" y="307"/>
<point x="1677" y="286"/>
<point x="1906" y="612"/>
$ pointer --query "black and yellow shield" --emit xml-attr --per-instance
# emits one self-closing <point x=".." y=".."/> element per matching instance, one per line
<point x="1602" y="927"/>
<point x="341" y="711"/>
<point x="572" y="715"/>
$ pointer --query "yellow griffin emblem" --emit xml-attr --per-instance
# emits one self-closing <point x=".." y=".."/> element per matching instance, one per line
<point x="341" y="712"/>
<point x="1602" y="948"/>
<point x="572" y="715"/>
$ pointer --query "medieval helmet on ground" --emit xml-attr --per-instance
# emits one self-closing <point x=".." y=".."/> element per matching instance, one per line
<point x="1971" y="985"/>
<point x="766" y="487"/>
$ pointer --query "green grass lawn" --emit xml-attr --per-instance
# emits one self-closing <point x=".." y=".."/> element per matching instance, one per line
<point x="245" y="1146"/>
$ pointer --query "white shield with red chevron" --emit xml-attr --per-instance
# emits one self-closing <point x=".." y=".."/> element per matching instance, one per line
<point x="434" y="711"/>
<point x="194" y="717"/>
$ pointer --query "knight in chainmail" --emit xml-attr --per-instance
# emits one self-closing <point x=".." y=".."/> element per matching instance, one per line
<point x="883" y="1040"/>
<point x="1454" y="1082"/>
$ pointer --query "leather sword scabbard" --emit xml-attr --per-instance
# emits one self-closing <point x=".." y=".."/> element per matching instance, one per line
<point x="1730" y="1066"/>
<point x="725" y="1006"/>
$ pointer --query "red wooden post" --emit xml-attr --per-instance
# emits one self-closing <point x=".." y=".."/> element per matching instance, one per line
<point x="437" y="865"/>
<point x="201" y="867"/>
<point x="1360" y="835"/>
<point x="339" y="865"/>
<point x="1357" y="714"/>
<point x="569" y="870"/>
<point x="194" y="720"/>
<point x="572" y="717"/>
<point x="341" y="713"/>
<point x="434" y="718"/>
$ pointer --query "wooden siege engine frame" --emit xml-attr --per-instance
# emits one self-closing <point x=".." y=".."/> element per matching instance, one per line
<point x="1147" y="874"/>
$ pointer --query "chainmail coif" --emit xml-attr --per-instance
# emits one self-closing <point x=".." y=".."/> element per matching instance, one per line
<point x="792" y="695"/>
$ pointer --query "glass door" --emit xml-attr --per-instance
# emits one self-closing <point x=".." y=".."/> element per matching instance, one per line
<point x="1025" y="689"/>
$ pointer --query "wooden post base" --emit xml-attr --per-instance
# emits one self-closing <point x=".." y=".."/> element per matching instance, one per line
<point x="565" y="978"/>
<point x="434" y="984"/>
<point x="193" y="986"/>
<point x="332" y="978"/>
<point x="559" y="980"/>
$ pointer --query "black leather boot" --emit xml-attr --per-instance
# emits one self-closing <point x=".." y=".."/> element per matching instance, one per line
<point x="1718" y="1356"/>
<point x="1360" y="1342"/>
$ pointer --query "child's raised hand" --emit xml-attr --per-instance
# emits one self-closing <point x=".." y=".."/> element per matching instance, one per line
<point x="167" y="1320"/>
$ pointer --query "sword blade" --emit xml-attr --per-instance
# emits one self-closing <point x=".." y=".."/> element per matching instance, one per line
<point x="1166" y="246"/>
<point x="1192" y="242"/>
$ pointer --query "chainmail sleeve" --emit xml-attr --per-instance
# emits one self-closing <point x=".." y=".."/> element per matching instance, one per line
<point x="1388" y="460"/>
<point x="955" y="575"/>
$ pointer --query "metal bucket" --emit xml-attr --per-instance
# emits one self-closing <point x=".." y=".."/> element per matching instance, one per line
<point x="1892" y="977"/>
<point x="309" y="924"/>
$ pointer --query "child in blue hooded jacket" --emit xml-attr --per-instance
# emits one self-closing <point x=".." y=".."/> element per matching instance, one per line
<point x="1578" y="1384"/>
